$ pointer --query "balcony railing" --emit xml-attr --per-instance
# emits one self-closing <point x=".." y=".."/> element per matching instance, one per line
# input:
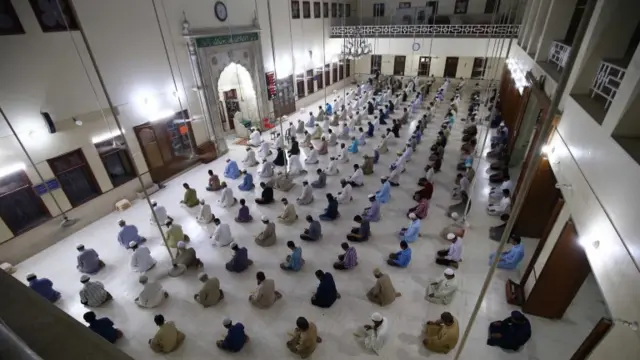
<point x="607" y="80"/>
<point x="558" y="54"/>
<point x="419" y="18"/>
<point x="466" y="31"/>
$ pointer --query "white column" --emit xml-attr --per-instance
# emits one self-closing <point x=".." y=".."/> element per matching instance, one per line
<point x="538" y="24"/>
<point x="527" y="23"/>
<point x="555" y="27"/>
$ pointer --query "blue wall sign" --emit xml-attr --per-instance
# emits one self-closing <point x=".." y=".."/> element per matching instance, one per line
<point x="42" y="189"/>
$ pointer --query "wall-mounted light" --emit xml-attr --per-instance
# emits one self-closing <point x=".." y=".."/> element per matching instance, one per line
<point x="10" y="169"/>
<point x="631" y="324"/>
<point x="518" y="74"/>
<point x="563" y="186"/>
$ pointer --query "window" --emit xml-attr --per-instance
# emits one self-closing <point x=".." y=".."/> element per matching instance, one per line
<point x="20" y="207"/>
<point x="422" y="17"/>
<point x="340" y="10"/>
<point x="327" y="75"/>
<point x="341" y="70"/>
<point x="348" y="68"/>
<point x="334" y="10"/>
<point x="319" y="78"/>
<point x="9" y="21"/>
<point x="347" y="9"/>
<point x="310" y="85"/>
<point x="295" y="9"/>
<point x="75" y="177"/>
<point x="378" y="9"/>
<point x="316" y="10"/>
<point x="116" y="160"/>
<point x="376" y="63"/>
<point x="461" y="7"/>
<point x="491" y="6"/>
<point x="335" y="73"/>
<point x="300" y="85"/>
<point x="404" y="5"/>
<point x="54" y="18"/>
<point x="325" y="10"/>
<point x="424" y="65"/>
<point x="479" y="66"/>
<point x="398" y="65"/>
<point x="306" y="10"/>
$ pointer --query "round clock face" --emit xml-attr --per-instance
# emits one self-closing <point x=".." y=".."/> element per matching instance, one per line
<point x="221" y="11"/>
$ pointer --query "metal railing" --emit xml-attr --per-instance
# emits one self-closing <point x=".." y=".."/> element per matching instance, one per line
<point x="559" y="53"/>
<point x="494" y="31"/>
<point x="607" y="81"/>
<point x="419" y="18"/>
<point x="12" y="347"/>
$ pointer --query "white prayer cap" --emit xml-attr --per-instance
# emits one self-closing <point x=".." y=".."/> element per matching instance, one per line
<point x="451" y="236"/>
<point x="233" y="243"/>
<point x="84" y="278"/>
<point x="202" y="275"/>
<point x="143" y="279"/>
<point x="264" y="218"/>
<point x="80" y="247"/>
<point x="455" y="216"/>
<point x="181" y="245"/>
<point x="132" y="244"/>
<point x="376" y="316"/>
<point x="154" y="202"/>
<point x="412" y="216"/>
<point x="384" y="177"/>
<point x="371" y="196"/>
<point x="448" y="271"/>
<point x="226" y="321"/>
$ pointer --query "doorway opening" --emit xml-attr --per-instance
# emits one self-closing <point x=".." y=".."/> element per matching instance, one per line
<point x="451" y="67"/>
<point x="237" y="95"/>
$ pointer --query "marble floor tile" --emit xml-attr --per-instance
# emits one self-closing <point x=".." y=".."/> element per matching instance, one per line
<point x="268" y="328"/>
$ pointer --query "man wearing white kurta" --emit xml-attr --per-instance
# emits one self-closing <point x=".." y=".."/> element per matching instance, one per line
<point x="357" y="178"/>
<point x="264" y="151"/>
<point x="332" y="168"/>
<point x="266" y="169"/>
<point x="442" y="290"/>
<point x="312" y="158"/>
<point x="205" y="216"/>
<point x="141" y="259"/>
<point x="295" y="166"/>
<point x="250" y="158"/>
<point x="152" y="293"/>
<point x="343" y="155"/>
<point x="280" y="142"/>
<point x="344" y="196"/>
<point x="226" y="198"/>
<point x="254" y="138"/>
<point x="161" y="213"/>
<point x="222" y="235"/>
<point x="374" y="337"/>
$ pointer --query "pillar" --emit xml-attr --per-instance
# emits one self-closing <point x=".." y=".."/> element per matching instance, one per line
<point x="537" y="25"/>
<point x="555" y="26"/>
<point x="48" y="331"/>
<point x="561" y="277"/>
<point x="529" y="16"/>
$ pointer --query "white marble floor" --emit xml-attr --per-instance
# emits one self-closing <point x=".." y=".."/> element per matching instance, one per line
<point x="268" y="328"/>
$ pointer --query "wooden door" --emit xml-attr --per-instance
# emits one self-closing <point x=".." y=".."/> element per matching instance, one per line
<point x="232" y="106"/>
<point x="424" y="66"/>
<point x="398" y="65"/>
<point x="451" y="67"/>
<point x="593" y="339"/>
<point x="561" y="277"/>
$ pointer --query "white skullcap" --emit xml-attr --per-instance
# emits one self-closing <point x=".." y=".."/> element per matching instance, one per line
<point x="181" y="245"/>
<point x="226" y="321"/>
<point x="384" y="177"/>
<point x="264" y="218"/>
<point x="454" y="215"/>
<point x="79" y="246"/>
<point x="371" y="196"/>
<point x="448" y="271"/>
<point x="412" y="216"/>
<point x="202" y="275"/>
<point x="233" y="243"/>
<point x="451" y="236"/>
<point x="133" y="243"/>
<point x="84" y="278"/>
<point x="376" y="316"/>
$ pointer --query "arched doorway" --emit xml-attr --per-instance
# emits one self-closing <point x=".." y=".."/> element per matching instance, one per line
<point x="237" y="94"/>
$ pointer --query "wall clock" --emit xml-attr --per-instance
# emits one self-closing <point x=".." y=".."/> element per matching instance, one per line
<point x="221" y="10"/>
<point x="416" y="46"/>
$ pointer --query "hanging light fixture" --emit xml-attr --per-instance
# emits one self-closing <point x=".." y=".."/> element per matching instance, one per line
<point x="355" y="48"/>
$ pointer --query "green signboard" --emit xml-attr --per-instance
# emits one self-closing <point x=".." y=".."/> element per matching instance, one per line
<point x="225" y="39"/>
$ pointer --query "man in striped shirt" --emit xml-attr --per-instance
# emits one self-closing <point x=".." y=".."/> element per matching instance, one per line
<point x="347" y="260"/>
<point x="93" y="293"/>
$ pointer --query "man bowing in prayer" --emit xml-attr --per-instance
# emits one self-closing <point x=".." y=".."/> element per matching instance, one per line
<point x="235" y="339"/>
<point x="222" y="235"/>
<point x="384" y="194"/>
<point x="254" y="138"/>
<point x="247" y="182"/>
<point x="382" y="293"/>
<point x="231" y="170"/>
<point x="268" y="236"/>
<point x="168" y="338"/>
<point x="326" y="293"/>
<point x="141" y="259"/>
<point x="240" y="260"/>
<point x="374" y="337"/>
<point x="187" y="256"/>
<point x="266" y="168"/>
<point x="174" y="234"/>
<point x="442" y="290"/>
<point x="412" y="232"/>
<point x="511" y="333"/>
<point x="441" y="336"/>
<point x="190" y="198"/>
<point x="265" y="295"/>
<point x="128" y="234"/>
<point x="44" y="287"/>
<point x="88" y="260"/>
<point x="205" y="216"/>
<point x="347" y="260"/>
<point x="210" y="293"/>
<point x="152" y="293"/>
<point x="93" y="293"/>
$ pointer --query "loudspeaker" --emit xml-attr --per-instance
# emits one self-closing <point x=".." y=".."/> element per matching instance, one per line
<point x="50" y="125"/>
